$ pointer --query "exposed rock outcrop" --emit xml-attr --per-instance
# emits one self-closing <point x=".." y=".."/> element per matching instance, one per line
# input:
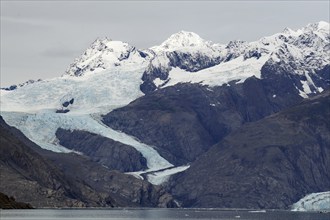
<point x="10" y="203"/>
<point x="68" y="180"/>
<point x="110" y="153"/>
<point x="185" y="120"/>
<point x="270" y="163"/>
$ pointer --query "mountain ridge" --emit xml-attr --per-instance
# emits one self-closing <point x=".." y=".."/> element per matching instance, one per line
<point x="253" y="162"/>
<point x="154" y="112"/>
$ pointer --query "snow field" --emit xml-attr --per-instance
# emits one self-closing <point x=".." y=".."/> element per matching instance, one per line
<point x="41" y="129"/>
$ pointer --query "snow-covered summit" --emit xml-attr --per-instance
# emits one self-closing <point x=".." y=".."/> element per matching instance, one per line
<point x="106" y="54"/>
<point x="182" y="40"/>
<point x="307" y="47"/>
<point x="302" y="52"/>
<point x="321" y="26"/>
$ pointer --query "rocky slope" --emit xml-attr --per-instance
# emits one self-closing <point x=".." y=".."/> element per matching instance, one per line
<point x="23" y="169"/>
<point x="209" y="102"/>
<point x="68" y="180"/>
<point x="112" y="154"/>
<point x="270" y="163"/>
<point x="184" y="120"/>
<point x="10" y="203"/>
<point x="154" y="112"/>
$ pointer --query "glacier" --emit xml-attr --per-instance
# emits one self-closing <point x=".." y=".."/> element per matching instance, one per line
<point x="32" y="109"/>
<point x="108" y="75"/>
<point x="313" y="202"/>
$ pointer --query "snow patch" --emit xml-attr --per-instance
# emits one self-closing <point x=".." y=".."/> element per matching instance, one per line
<point x="236" y="69"/>
<point x="303" y="94"/>
<point x="160" y="177"/>
<point x="306" y="87"/>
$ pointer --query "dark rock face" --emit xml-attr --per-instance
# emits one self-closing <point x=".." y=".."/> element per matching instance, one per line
<point x="166" y="121"/>
<point x="10" y="203"/>
<point x="191" y="62"/>
<point x="185" y="120"/>
<point x="113" y="187"/>
<point x="47" y="179"/>
<point x="65" y="106"/>
<point x="24" y="170"/>
<point x="271" y="163"/>
<point x="322" y="77"/>
<point x="149" y="75"/>
<point x="13" y="87"/>
<point x="10" y="88"/>
<point x="186" y="61"/>
<point x="284" y="83"/>
<point x="62" y="111"/>
<point x="112" y="154"/>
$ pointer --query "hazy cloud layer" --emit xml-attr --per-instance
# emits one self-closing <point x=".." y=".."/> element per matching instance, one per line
<point x="39" y="39"/>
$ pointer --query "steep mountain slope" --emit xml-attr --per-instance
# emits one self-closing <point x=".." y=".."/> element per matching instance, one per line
<point x="68" y="180"/>
<point x="251" y="81"/>
<point x="10" y="203"/>
<point x="184" y="120"/>
<point x="23" y="169"/>
<point x="112" y="154"/>
<point x="271" y="163"/>
<point x="154" y="111"/>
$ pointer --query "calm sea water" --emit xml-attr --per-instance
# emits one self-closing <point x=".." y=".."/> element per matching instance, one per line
<point x="157" y="214"/>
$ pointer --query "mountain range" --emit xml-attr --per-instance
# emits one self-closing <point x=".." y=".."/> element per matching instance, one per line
<point x="188" y="123"/>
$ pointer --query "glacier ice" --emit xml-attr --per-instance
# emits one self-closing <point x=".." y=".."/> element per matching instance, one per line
<point x="313" y="202"/>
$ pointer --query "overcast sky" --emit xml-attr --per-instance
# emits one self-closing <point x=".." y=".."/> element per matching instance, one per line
<point x="39" y="39"/>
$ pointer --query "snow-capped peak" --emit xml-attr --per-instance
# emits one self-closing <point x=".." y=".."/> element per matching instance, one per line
<point x="103" y="54"/>
<point x="321" y="26"/>
<point x="100" y="43"/>
<point x="182" y="39"/>
<point x="289" y="31"/>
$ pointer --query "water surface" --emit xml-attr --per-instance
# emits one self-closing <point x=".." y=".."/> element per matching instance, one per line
<point x="161" y="214"/>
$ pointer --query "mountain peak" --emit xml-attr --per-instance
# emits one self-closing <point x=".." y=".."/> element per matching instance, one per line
<point x="102" y="54"/>
<point x="289" y="31"/>
<point x="321" y="26"/>
<point x="103" y="44"/>
<point x="182" y="39"/>
<point x="101" y="40"/>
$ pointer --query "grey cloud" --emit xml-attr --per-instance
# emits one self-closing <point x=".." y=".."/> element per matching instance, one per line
<point x="57" y="52"/>
<point x="23" y="21"/>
